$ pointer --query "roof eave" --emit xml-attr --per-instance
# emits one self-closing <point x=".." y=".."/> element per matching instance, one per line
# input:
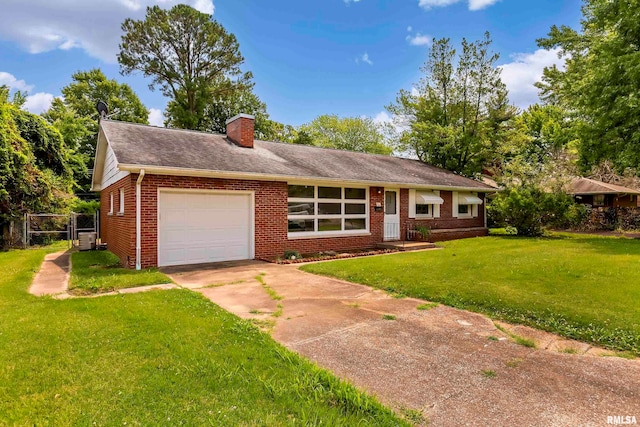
<point x="206" y="173"/>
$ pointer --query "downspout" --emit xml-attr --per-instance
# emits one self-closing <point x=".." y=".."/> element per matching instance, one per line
<point x="138" y="222"/>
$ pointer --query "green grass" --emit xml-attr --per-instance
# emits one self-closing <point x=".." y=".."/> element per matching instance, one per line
<point x="427" y="306"/>
<point x="580" y="286"/>
<point x="100" y="271"/>
<point x="488" y="373"/>
<point x="155" y="358"/>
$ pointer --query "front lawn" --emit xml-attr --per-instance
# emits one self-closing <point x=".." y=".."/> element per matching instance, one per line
<point x="100" y="271"/>
<point x="580" y="286"/>
<point x="156" y="358"/>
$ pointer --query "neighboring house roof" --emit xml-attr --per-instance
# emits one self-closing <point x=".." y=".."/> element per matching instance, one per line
<point x="586" y="186"/>
<point x="184" y="152"/>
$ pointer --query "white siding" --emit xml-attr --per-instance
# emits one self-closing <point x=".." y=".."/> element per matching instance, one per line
<point x="111" y="173"/>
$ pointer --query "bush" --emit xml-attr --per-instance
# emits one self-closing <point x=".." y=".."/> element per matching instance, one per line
<point x="530" y="209"/>
<point x="85" y="206"/>
<point x="290" y="254"/>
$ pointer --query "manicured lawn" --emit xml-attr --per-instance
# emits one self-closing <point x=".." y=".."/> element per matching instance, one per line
<point x="583" y="287"/>
<point x="155" y="358"/>
<point x="100" y="271"/>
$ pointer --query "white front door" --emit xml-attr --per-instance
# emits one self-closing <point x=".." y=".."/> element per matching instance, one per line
<point x="391" y="214"/>
<point x="204" y="226"/>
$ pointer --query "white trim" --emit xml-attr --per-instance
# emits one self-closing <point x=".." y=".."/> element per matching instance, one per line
<point x="252" y="213"/>
<point x="317" y="235"/>
<point x="469" y="199"/>
<point x="386" y="234"/>
<point x="454" y="207"/>
<point x="110" y="203"/>
<point x="435" y="207"/>
<point x="138" y="220"/>
<point x="206" y="173"/>
<point x="412" y="203"/>
<point x="428" y="199"/>
<point x="240" y="116"/>
<point x="121" y="201"/>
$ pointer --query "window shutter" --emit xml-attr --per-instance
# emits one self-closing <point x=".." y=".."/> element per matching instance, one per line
<point x="454" y="208"/>
<point x="436" y="207"/>
<point x="474" y="208"/>
<point x="412" y="203"/>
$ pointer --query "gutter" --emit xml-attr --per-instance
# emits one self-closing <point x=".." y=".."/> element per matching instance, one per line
<point x="138" y="222"/>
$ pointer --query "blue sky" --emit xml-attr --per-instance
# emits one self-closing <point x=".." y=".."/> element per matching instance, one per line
<point x="308" y="58"/>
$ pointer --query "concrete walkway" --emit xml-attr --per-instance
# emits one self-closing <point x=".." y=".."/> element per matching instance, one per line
<point x="453" y="366"/>
<point x="53" y="277"/>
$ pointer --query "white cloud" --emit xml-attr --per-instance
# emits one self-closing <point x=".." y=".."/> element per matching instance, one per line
<point x="7" y="79"/>
<point x="364" y="58"/>
<point x="92" y="25"/>
<point x="481" y="4"/>
<point x="382" y="117"/>
<point x="525" y="70"/>
<point x="351" y="1"/>
<point x="156" y="117"/>
<point x="409" y="28"/>
<point x="473" y="4"/>
<point x="38" y="102"/>
<point x="419" y="40"/>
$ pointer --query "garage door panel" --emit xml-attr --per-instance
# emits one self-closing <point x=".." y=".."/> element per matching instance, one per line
<point x="204" y="227"/>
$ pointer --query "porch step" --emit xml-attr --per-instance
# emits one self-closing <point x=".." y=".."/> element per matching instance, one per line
<point x="406" y="246"/>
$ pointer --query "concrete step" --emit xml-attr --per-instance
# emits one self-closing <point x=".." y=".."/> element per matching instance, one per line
<point x="406" y="246"/>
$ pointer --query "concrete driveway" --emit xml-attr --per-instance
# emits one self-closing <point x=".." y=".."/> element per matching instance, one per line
<point x="441" y="361"/>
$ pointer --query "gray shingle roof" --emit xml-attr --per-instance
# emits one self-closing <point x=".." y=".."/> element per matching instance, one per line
<point x="135" y="144"/>
<point x="591" y="186"/>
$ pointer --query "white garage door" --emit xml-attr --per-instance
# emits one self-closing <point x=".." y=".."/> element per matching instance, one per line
<point x="204" y="227"/>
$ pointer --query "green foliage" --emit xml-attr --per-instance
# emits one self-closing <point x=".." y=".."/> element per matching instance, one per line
<point x="348" y="133"/>
<point x="458" y="116"/>
<point x="35" y="171"/>
<point x="155" y="358"/>
<point x="85" y="206"/>
<point x="550" y="283"/>
<point x="601" y="81"/>
<point x="291" y="254"/>
<point x="192" y="59"/>
<point x="76" y="117"/>
<point x="528" y="209"/>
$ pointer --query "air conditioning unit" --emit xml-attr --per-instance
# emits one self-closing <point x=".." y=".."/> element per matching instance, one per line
<point x="86" y="241"/>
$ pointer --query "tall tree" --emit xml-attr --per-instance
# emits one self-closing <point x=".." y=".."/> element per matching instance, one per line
<point x="76" y="118"/>
<point x="35" y="174"/>
<point x="600" y="83"/>
<point x="192" y="59"/>
<point x="348" y="133"/>
<point x="458" y="113"/>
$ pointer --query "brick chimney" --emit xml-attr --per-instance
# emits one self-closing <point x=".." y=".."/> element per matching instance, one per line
<point x="240" y="130"/>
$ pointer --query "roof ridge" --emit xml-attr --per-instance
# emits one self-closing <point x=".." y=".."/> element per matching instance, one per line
<point x="165" y="128"/>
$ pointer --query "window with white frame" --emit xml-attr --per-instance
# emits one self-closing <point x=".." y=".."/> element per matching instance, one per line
<point x="424" y="204"/>
<point x="465" y="205"/>
<point x="318" y="210"/>
<point x="121" y="202"/>
<point x="110" y="203"/>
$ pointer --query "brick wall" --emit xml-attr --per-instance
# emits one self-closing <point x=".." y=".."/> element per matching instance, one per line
<point x="376" y="228"/>
<point x="446" y="220"/>
<point x="270" y="218"/>
<point x="119" y="230"/>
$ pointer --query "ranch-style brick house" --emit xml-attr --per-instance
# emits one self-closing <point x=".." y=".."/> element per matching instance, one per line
<point x="172" y="197"/>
